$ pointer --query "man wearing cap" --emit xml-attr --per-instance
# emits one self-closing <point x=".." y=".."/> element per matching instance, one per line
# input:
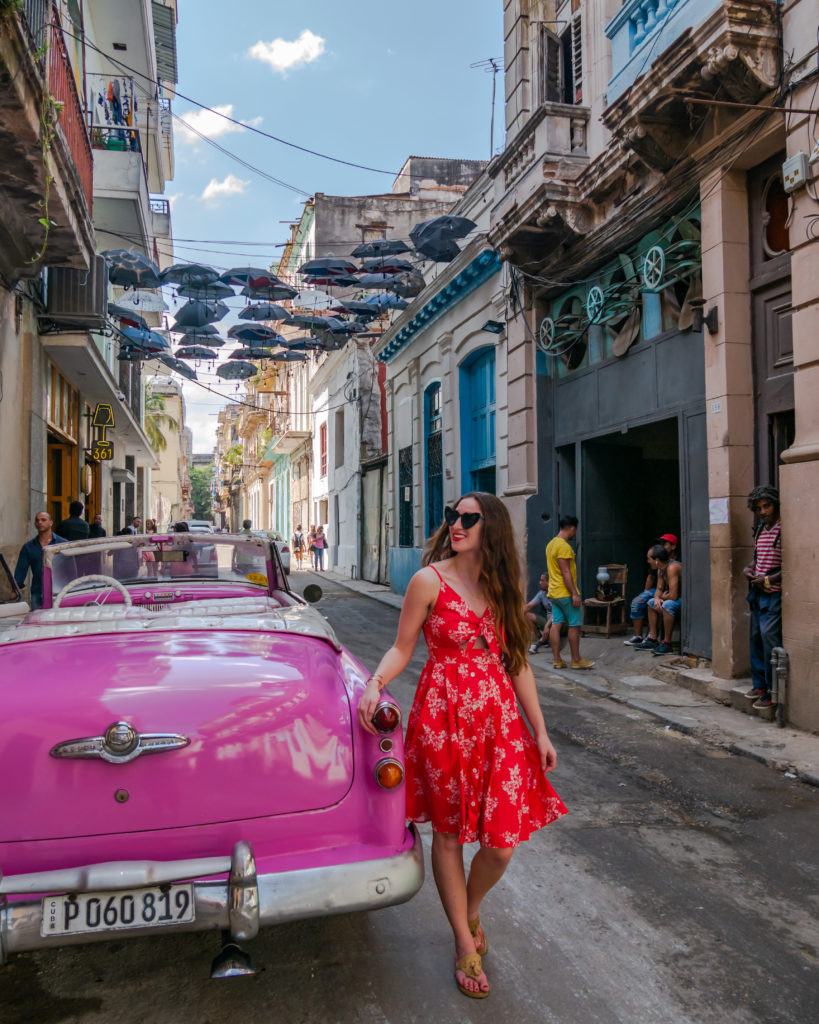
<point x="669" y="541"/>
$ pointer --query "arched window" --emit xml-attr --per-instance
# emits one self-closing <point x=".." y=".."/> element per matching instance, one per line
<point x="433" y="455"/>
<point x="477" y="405"/>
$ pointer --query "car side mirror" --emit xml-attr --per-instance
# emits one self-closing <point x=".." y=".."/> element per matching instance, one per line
<point x="313" y="593"/>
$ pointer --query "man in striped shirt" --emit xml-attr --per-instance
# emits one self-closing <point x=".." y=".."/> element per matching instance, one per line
<point x="764" y="575"/>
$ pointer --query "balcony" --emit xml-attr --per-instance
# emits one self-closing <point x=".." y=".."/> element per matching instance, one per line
<point x="535" y="204"/>
<point x="46" y="191"/>
<point x="666" y="50"/>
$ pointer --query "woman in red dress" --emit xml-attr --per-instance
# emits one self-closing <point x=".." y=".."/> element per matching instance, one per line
<point x="473" y="768"/>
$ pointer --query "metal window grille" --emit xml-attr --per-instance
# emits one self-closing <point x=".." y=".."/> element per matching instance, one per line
<point x="435" y="481"/>
<point x="405" y="523"/>
<point x="323" y="448"/>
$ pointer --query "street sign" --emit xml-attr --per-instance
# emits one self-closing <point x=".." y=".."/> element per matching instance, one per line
<point x="102" y="451"/>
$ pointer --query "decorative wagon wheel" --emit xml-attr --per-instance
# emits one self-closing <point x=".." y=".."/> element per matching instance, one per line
<point x="654" y="267"/>
<point x="546" y="335"/>
<point x="595" y="301"/>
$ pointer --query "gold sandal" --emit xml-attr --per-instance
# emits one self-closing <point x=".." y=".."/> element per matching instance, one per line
<point x="483" y="948"/>
<point x="470" y="964"/>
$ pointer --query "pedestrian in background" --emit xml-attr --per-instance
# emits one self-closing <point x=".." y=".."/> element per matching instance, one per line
<point x="319" y="543"/>
<point x="246" y="524"/>
<point x="764" y="575"/>
<point x="567" y="605"/>
<point x="74" y="527"/>
<point x="311" y="546"/>
<point x="539" y="612"/>
<point x="31" y="558"/>
<point x="96" y="529"/>
<point x="639" y="605"/>
<point x="298" y="545"/>
<point x="473" y="769"/>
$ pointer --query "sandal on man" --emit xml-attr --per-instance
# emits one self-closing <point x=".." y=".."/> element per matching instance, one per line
<point x="559" y="664"/>
<point x="474" y="926"/>
<point x="470" y="964"/>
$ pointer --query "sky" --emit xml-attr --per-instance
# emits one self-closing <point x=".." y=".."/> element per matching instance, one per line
<point x="363" y="82"/>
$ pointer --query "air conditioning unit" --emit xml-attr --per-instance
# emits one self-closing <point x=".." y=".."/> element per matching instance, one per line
<point x="76" y="299"/>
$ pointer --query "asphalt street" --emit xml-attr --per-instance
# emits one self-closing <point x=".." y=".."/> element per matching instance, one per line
<point x="681" y="888"/>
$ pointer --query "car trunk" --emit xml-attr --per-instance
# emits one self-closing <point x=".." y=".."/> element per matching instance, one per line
<point x="268" y="720"/>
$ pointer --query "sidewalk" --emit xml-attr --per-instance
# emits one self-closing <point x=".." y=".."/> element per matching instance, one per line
<point x="689" y="699"/>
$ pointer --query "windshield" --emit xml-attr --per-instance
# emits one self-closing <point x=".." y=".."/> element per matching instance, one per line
<point x="179" y="556"/>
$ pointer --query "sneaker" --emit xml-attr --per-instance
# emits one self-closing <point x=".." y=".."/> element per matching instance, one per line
<point x="662" y="648"/>
<point x="635" y="641"/>
<point x="755" y="692"/>
<point x="763" y="702"/>
<point x="534" y="648"/>
<point x="647" y="645"/>
<point x="583" y="663"/>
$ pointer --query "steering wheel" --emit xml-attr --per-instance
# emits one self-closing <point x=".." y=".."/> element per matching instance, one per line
<point x="109" y="581"/>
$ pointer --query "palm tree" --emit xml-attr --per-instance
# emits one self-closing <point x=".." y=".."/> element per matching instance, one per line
<point x="155" y="419"/>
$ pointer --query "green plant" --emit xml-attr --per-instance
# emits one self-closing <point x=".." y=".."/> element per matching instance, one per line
<point x="155" y="419"/>
<point x="233" y="456"/>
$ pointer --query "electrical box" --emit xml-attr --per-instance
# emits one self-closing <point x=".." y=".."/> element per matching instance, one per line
<point x="795" y="172"/>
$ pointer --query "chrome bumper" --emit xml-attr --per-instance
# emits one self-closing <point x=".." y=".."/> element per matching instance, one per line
<point x="242" y="903"/>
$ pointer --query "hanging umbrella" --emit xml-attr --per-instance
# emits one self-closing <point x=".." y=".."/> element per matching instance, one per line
<point x="254" y="333"/>
<point x="407" y="285"/>
<point x="207" y="334"/>
<point x="380" y="247"/>
<point x="327" y="266"/>
<point x="337" y="326"/>
<point x="259" y="352"/>
<point x="289" y="356"/>
<point x="177" y="366"/>
<point x="250" y="277"/>
<point x="146" y="341"/>
<point x="312" y="298"/>
<point x="129" y="354"/>
<point x="236" y="371"/>
<point x="386" y="265"/>
<point x="130" y="316"/>
<point x="196" y="313"/>
<point x="303" y="343"/>
<point x="270" y="293"/>
<point x="435" y="238"/>
<point x="265" y="311"/>
<point x="362" y="307"/>
<point x="189" y="273"/>
<point x="209" y="292"/>
<point x="131" y="269"/>
<point x="384" y="300"/>
<point x="143" y="299"/>
<point x="337" y="281"/>
<point x="196" y="352"/>
<point x="309" y="320"/>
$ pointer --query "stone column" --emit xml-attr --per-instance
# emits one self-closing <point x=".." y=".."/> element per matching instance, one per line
<point x="729" y="410"/>
<point x="799" y="477"/>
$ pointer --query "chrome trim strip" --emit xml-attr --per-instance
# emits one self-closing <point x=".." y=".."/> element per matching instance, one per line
<point x="285" y="896"/>
<point x="120" y="744"/>
<point x="133" y="874"/>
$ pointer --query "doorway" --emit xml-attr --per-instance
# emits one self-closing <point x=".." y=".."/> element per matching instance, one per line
<point x="62" y="476"/>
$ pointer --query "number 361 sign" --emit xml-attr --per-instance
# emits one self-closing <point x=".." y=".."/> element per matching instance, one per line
<point x="103" y="418"/>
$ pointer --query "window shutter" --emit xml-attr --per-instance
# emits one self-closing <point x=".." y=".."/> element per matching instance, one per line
<point x="577" y="56"/>
<point x="551" y="73"/>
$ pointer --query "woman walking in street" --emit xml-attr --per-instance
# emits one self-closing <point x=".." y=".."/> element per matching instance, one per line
<point x="298" y="545"/>
<point x="473" y="769"/>
<point x="320" y="543"/>
<point x="311" y="546"/>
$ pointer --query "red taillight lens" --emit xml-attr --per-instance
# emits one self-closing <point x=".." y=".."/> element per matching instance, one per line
<point x="387" y="718"/>
<point x="285" y="550"/>
<point x="389" y="773"/>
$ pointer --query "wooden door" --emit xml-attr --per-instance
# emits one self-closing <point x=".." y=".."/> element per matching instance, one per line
<point x="62" y="476"/>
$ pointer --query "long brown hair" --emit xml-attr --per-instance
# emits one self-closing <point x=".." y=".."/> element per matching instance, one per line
<point x="499" y="575"/>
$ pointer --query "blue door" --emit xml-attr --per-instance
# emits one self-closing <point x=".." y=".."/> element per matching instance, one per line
<point x="477" y="379"/>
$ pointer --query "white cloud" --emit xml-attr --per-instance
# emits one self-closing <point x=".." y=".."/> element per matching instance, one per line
<point x="209" y="123"/>
<point x="282" y="55"/>
<point x="229" y="186"/>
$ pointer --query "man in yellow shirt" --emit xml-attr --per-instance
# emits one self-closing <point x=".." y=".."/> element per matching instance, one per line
<point x="563" y="593"/>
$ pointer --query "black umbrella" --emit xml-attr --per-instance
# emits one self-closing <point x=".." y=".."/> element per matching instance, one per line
<point x="250" y="333"/>
<point x="386" y="265"/>
<point x="203" y="329"/>
<point x="265" y="311"/>
<point x="259" y="352"/>
<point x="196" y="313"/>
<point x="435" y="238"/>
<point x="178" y="367"/>
<point x="196" y="352"/>
<point x="303" y="343"/>
<point x="333" y="281"/>
<point x="271" y="292"/>
<point x="380" y="301"/>
<point x="236" y="371"/>
<point x="289" y="356"/>
<point x="209" y="292"/>
<point x="310" y="320"/>
<point x="197" y="336"/>
<point x="132" y="318"/>
<point x="131" y="269"/>
<point x="380" y="247"/>
<point x="407" y="285"/>
<point x="189" y="273"/>
<point x="345" y="326"/>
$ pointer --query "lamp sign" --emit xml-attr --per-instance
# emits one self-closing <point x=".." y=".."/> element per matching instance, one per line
<point x="103" y="418"/>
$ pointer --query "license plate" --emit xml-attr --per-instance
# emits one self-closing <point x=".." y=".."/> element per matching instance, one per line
<point x="87" y="912"/>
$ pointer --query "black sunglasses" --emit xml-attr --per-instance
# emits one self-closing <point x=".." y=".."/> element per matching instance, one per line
<point x="468" y="519"/>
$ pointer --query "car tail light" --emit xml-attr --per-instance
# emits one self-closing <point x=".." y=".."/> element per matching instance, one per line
<point x="389" y="773"/>
<point x="387" y="717"/>
<point x="285" y="549"/>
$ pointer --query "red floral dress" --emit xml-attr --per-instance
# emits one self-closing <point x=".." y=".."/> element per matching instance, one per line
<point x="472" y="766"/>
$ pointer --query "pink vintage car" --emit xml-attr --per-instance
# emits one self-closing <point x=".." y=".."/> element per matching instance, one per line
<point x="181" y="735"/>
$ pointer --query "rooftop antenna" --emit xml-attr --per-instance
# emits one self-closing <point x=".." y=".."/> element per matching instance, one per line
<point x="491" y="65"/>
